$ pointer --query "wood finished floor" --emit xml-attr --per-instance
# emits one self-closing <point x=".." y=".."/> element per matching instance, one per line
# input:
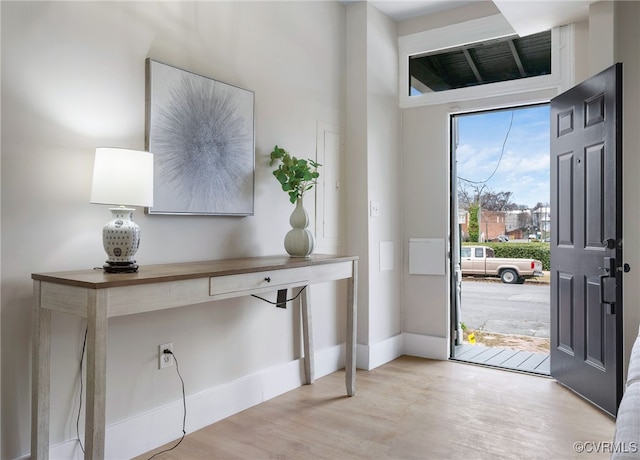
<point x="410" y="408"/>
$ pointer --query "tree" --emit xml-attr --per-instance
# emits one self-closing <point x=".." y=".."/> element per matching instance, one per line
<point x="498" y="201"/>
<point x="524" y="220"/>
<point x="469" y="194"/>
<point x="474" y="232"/>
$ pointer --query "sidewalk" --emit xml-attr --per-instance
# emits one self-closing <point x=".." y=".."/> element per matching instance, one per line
<point x="515" y="342"/>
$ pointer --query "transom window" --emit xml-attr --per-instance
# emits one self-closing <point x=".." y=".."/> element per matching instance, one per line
<point x="483" y="58"/>
<point x="493" y="61"/>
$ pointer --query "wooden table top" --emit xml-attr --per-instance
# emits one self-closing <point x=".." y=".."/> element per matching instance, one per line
<point x="98" y="279"/>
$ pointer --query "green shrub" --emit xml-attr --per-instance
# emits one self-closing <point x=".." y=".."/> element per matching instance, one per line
<point x="474" y="231"/>
<point x="538" y="251"/>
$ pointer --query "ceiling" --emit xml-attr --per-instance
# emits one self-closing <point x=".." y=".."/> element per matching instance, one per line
<point x="526" y="17"/>
<point x="407" y="9"/>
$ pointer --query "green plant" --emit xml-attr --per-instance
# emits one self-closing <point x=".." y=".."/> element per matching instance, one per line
<point x="474" y="230"/>
<point x="296" y="176"/>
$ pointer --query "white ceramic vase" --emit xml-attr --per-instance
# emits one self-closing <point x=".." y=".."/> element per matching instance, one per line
<point x="299" y="242"/>
<point x="121" y="236"/>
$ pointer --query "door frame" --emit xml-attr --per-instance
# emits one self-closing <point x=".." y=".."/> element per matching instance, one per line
<point x="455" y="280"/>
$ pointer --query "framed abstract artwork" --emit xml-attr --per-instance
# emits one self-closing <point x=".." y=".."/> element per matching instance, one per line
<point x="201" y="133"/>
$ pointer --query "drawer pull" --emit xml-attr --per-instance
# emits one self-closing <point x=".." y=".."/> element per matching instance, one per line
<point x="267" y="279"/>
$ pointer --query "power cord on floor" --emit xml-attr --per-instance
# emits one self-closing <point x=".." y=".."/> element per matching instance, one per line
<point x="184" y="406"/>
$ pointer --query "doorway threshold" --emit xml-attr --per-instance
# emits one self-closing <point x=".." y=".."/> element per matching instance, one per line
<point x="504" y="358"/>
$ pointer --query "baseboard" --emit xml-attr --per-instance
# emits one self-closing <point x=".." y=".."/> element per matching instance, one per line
<point x="371" y="356"/>
<point x="144" y="432"/>
<point x="422" y="346"/>
<point x="425" y="346"/>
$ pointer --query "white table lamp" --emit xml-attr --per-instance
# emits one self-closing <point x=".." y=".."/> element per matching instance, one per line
<point x="122" y="177"/>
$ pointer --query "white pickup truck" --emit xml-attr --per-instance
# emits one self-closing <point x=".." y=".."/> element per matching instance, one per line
<point x="481" y="261"/>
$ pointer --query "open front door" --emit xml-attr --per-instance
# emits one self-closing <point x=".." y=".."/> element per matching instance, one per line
<point x="586" y="241"/>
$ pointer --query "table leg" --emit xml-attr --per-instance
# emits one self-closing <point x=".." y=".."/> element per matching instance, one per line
<point x="40" y="378"/>
<point x="307" y="336"/>
<point x="96" y="374"/>
<point x="352" y="320"/>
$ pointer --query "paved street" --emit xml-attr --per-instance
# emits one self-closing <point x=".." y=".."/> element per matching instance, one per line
<point x="521" y="309"/>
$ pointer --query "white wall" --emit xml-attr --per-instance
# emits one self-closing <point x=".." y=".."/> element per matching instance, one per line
<point x="357" y="154"/>
<point x="425" y="194"/>
<point x="73" y="79"/>
<point x="373" y="143"/>
<point x="383" y="138"/>
<point x="458" y="15"/>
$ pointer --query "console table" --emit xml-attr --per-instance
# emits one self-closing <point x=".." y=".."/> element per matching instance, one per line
<point x="98" y="296"/>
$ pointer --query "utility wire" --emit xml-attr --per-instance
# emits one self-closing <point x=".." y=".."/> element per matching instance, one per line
<point x="504" y="143"/>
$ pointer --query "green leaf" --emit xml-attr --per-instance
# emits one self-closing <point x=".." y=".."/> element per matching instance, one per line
<point x="296" y="176"/>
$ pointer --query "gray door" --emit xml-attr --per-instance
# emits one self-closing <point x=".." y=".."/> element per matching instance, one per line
<point x="586" y="240"/>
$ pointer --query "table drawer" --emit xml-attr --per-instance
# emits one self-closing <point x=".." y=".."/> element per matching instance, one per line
<point x="229" y="285"/>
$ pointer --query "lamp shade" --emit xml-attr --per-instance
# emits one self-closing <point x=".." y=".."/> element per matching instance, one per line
<point x="122" y="177"/>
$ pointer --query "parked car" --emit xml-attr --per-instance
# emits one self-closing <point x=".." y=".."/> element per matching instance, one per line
<point x="501" y="239"/>
<point x="481" y="261"/>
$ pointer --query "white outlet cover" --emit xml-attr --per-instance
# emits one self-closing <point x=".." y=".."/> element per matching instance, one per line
<point x="374" y="208"/>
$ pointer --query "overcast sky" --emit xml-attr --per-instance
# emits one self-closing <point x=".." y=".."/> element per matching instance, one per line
<point x="523" y="168"/>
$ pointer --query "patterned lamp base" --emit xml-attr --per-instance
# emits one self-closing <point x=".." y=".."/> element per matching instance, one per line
<point x="121" y="239"/>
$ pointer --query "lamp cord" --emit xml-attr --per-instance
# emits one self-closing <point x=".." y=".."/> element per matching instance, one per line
<point x="184" y="398"/>
<point x="84" y="344"/>
<point x="184" y="407"/>
<point x="279" y="303"/>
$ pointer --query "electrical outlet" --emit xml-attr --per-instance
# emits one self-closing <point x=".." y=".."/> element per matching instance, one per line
<point x="374" y="208"/>
<point x="165" y="359"/>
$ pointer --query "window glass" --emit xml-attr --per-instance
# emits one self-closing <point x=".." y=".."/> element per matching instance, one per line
<point x="493" y="61"/>
<point x="465" y="252"/>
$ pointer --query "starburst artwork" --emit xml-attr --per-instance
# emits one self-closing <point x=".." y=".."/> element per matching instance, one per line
<point x="201" y="133"/>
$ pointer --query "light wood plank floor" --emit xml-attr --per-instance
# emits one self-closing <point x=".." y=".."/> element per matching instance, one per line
<point x="410" y="408"/>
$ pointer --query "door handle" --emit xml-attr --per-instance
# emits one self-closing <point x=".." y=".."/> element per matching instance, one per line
<point x="611" y="306"/>
<point x="609" y="267"/>
<point x="610" y="272"/>
<point x="609" y="243"/>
